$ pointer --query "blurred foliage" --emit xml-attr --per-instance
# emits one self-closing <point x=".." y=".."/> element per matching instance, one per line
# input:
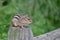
<point x="44" y="13"/>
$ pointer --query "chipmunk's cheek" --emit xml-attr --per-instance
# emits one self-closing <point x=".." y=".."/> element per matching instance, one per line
<point x="30" y="21"/>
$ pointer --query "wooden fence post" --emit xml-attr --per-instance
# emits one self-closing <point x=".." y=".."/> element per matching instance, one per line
<point x="53" y="35"/>
<point x="16" y="33"/>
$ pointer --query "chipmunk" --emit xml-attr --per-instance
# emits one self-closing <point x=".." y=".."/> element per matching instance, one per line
<point x="21" y="21"/>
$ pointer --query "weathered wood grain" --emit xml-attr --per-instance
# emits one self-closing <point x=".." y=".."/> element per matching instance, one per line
<point x="54" y="35"/>
<point x="16" y="33"/>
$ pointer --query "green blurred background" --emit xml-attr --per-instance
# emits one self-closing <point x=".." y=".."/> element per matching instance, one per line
<point x="44" y="13"/>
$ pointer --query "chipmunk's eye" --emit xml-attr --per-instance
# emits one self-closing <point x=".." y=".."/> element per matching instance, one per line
<point x="28" y="19"/>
